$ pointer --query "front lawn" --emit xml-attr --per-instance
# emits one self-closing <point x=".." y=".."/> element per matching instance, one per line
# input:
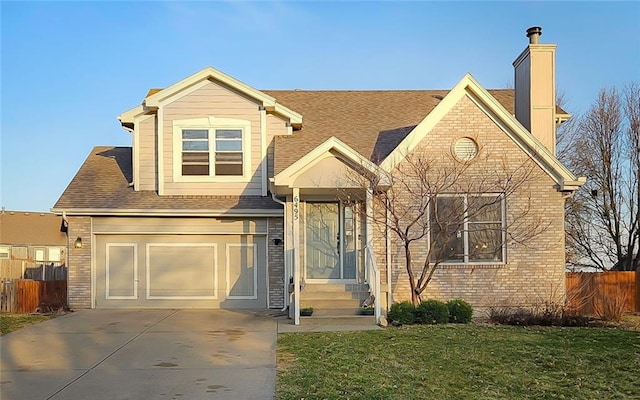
<point x="461" y="362"/>
<point x="13" y="322"/>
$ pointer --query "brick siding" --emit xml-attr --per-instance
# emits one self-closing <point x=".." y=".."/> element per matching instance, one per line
<point x="276" y="262"/>
<point x="79" y="272"/>
<point x="534" y="271"/>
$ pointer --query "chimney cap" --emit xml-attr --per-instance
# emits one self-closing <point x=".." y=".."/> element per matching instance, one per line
<point x="534" y="34"/>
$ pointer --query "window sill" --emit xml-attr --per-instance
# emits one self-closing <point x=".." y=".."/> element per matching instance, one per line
<point x="211" y="179"/>
<point x="496" y="265"/>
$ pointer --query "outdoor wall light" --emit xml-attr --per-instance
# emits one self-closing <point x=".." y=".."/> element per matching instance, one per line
<point x="78" y="243"/>
<point x="277" y="241"/>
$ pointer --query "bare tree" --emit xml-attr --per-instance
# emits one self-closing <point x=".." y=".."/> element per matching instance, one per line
<point x="603" y="225"/>
<point x="443" y="210"/>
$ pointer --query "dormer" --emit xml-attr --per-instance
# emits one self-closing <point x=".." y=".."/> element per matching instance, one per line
<point x="208" y="134"/>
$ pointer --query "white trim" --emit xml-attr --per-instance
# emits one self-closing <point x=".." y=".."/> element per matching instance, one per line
<point x="296" y="257"/>
<point x="129" y="115"/>
<point x="96" y="212"/>
<point x="289" y="174"/>
<point x="209" y="73"/>
<point x="136" y="155"/>
<point x="160" y="154"/>
<point x="148" y="271"/>
<point x="255" y="272"/>
<point x="135" y="271"/>
<point x="263" y="150"/>
<point x="468" y="86"/>
<point x="211" y="124"/>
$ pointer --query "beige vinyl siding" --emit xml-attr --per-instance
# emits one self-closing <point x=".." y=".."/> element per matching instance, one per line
<point x="147" y="154"/>
<point x="178" y="225"/>
<point x="216" y="100"/>
<point x="275" y="126"/>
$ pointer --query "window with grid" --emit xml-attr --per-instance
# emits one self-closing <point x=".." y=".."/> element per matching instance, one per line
<point x="467" y="229"/>
<point x="198" y="151"/>
<point x="195" y="152"/>
<point x="228" y="152"/>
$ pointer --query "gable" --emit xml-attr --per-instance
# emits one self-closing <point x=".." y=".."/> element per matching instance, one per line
<point x="328" y="172"/>
<point x="328" y="165"/>
<point x="156" y="98"/>
<point x="468" y="88"/>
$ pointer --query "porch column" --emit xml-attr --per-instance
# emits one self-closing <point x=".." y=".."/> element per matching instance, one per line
<point x="296" y="256"/>
<point x="372" y="269"/>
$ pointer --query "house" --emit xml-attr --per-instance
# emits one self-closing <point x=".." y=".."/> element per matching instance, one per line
<point x="233" y="197"/>
<point x="29" y="240"/>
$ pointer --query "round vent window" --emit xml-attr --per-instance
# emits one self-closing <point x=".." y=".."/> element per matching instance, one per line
<point x="466" y="149"/>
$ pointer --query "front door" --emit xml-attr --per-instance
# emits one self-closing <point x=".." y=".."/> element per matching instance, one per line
<point x="330" y="235"/>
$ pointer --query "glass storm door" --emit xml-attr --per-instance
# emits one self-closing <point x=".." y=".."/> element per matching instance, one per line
<point x="331" y="252"/>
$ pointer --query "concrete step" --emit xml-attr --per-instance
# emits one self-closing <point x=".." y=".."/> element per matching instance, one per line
<point x="324" y="295"/>
<point x="338" y="320"/>
<point x="335" y="287"/>
<point x="332" y="303"/>
<point x="337" y="312"/>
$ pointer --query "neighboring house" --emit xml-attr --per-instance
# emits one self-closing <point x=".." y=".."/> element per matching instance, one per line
<point x="32" y="236"/>
<point x="230" y="194"/>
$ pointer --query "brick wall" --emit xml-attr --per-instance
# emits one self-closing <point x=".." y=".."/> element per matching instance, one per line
<point x="534" y="271"/>
<point x="276" y="262"/>
<point x="79" y="272"/>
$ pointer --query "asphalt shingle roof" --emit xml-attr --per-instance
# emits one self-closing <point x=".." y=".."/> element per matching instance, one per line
<point x="371" y="122"/>
<point x="103" y="183"/>
<point x="31" y="229"/>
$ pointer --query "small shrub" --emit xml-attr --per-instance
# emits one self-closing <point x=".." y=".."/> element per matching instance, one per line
<point x="432" y="312"/>
<point x="610" y="308"/>
<point x="402" y="313"/>
<point x="540" y="316"/>
<point x="459" y="311"/>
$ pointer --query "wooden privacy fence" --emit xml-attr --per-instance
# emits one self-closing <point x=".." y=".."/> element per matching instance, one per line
<point x="587" y="291"/>
<point x="24" y="269"/>
<point x="27" y="296"/>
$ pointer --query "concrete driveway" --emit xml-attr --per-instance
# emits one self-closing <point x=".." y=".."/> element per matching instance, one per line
<point x="142" y="354"/>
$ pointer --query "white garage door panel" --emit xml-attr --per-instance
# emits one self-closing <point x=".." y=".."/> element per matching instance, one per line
<point x="181" y="271"/>
<point x="242" y="274"/>
<point x="121" y="271"/>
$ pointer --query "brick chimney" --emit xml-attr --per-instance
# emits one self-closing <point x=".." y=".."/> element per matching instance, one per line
<point x="535" y="89"/>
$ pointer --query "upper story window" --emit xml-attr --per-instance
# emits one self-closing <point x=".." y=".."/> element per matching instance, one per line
<point x="211" y="149"/>
<point x="195" y="152"/>
<point x="228" y="152"/>
<point x="468" y="229"/>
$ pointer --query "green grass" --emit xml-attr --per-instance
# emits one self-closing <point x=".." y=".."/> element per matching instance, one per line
<point x="13" y="322"/>
<point x="461" y="362"/>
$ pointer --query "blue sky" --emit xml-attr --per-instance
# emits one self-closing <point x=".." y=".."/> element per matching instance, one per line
<point x="69" y="68"/>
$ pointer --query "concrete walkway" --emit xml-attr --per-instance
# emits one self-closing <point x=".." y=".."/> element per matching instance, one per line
<point x="142" y="354"/>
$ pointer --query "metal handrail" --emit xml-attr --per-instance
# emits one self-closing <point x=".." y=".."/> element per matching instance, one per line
<point x="374" y="283"/>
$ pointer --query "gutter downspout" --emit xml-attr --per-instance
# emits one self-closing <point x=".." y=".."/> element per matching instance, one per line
<point x="285" y="279"/>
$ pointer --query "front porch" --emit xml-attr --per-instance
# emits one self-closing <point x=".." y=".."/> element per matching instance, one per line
<point x="329" y="230"/>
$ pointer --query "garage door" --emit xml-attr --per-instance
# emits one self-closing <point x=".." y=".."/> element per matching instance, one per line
<point x="180" y="271"/>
